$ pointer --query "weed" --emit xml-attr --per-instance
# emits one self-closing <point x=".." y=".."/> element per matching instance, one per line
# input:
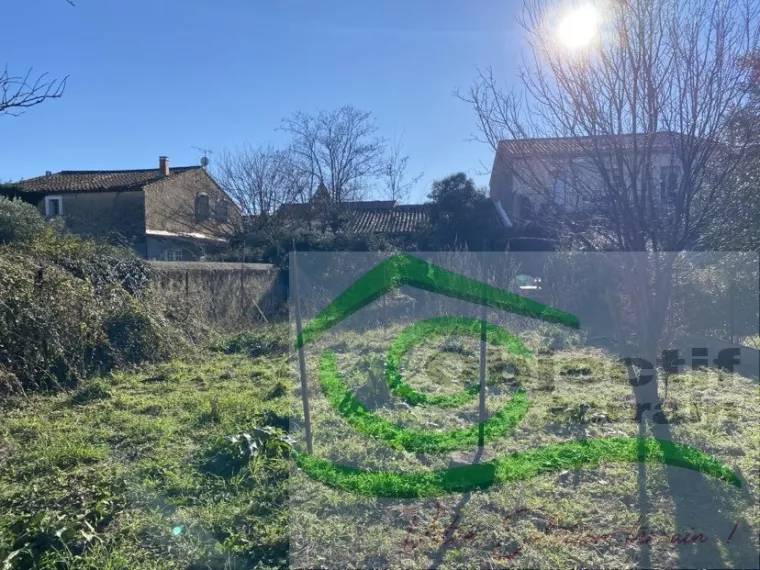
<point x="278" y="391"/>
<point x="92" y="392"/>
<point x="267" y="342"/>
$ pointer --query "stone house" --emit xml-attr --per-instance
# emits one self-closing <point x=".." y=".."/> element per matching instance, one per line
<point x="573" y="172"/>
<point x="172" y="214"/>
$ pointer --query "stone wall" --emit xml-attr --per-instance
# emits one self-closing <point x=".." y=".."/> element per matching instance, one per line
<point x="228" y="296"/>
<point x="102" y="213"/>
<point x="170" y="205"/>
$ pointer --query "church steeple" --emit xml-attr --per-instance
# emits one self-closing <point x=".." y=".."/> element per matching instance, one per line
<point x="322" y="194"/>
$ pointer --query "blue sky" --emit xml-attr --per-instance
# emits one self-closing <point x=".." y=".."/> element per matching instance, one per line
<point x="154" y="77"/>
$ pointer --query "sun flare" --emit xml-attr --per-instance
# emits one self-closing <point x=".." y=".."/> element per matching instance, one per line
<point x="579" y="27"/>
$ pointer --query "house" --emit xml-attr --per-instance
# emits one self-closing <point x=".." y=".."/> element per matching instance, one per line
<point x="164" y="213"/>
<point x="576" y="173"/>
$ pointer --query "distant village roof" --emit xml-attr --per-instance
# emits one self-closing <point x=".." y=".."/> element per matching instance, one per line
<point x="526" y="148"/>
<point x="361" y="217"/>
<point x="307" y="209"/>
<point x="370" y="217"/>
<point x="394" y="220"/>
<point x="97" y="180"/>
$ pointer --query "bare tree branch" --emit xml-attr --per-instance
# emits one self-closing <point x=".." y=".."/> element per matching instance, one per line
<point x="658" y="67"/>
<point x="18" y="93"/>
<point x="261" y="179"/>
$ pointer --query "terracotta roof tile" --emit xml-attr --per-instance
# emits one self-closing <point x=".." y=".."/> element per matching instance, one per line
<point x="96" y="180"/>
<point x="573" y="145"/>
<point x="369" y="218"/>
<point x="372" y="216"/>
<point x="303" y="210"/>
<point x="395" y="220"/>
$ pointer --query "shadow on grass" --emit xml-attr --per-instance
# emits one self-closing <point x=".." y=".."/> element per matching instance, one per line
<point x="703" y="506"/>
<point x="437" y="558"/>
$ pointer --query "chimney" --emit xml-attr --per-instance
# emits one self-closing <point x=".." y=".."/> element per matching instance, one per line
<point x="163" y="165"/>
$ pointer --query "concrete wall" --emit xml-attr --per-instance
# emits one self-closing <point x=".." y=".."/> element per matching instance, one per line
<point x="228" y="296"/>
<point x="101" y="213"/>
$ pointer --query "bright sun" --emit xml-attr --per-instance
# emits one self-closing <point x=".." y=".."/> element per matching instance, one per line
<point x="579" y="27"/>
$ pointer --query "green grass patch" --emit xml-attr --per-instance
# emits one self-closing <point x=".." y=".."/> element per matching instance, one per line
<point x="89" y="481"/>
<point x="191" y="472"/>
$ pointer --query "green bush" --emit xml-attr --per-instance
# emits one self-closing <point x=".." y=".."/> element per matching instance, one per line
<point x="19" y="222"/>
<point x="274" y="245"/>
<point x="98" y="262"/>
<point x="461" y="215"/>
<point x="71" y="308"/>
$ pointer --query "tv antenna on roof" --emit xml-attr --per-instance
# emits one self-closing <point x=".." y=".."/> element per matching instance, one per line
<point x="206" y="152"/>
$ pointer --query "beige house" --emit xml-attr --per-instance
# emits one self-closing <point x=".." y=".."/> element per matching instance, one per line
<point x="164" y="213"/>
<point x="577" y="174"/>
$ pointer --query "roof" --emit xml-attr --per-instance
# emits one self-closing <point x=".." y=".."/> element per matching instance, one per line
<point x="524" y="148"/>
<point x="367" y="217"/>
<point x="68" y="181"/>
<point x="393" y="220"/>
<point x="303" y="210"/>
<point x="373" y="217"/>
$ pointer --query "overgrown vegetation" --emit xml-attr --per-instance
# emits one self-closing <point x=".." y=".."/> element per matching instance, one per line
<point x="272" y="341"/>
<point x="19" y="222"/>
<point x="274" y="244"/>
<point x="71" y="307"/>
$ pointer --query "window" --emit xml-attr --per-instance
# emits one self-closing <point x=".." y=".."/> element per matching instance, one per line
<point x="585" y="201"/>
<point x="222" y="210"/>
<point x="669" y="179"/>
<point x="526" y="207"/>
<point x="559" y="189"/>
<point x="53" y="205"/>
<point x="173" y="255"/>
<point x="616" y="182"/>
<point x="202" y="206"/>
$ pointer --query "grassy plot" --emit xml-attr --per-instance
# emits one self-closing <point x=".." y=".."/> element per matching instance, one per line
<point x="179" y="466"/>
<point x="572" y="469"/>
<point x="183" y="466"/>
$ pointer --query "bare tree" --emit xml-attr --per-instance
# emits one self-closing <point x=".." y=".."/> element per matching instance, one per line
<point x="662" y="79"/>
<point x="20" y="92"/>
<point x="260" y="179"/>
<point x="338" y="148"/>
<point x="394" y="174"/>
<point x="736" y="227"/>
<point x="658" y="67"/>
